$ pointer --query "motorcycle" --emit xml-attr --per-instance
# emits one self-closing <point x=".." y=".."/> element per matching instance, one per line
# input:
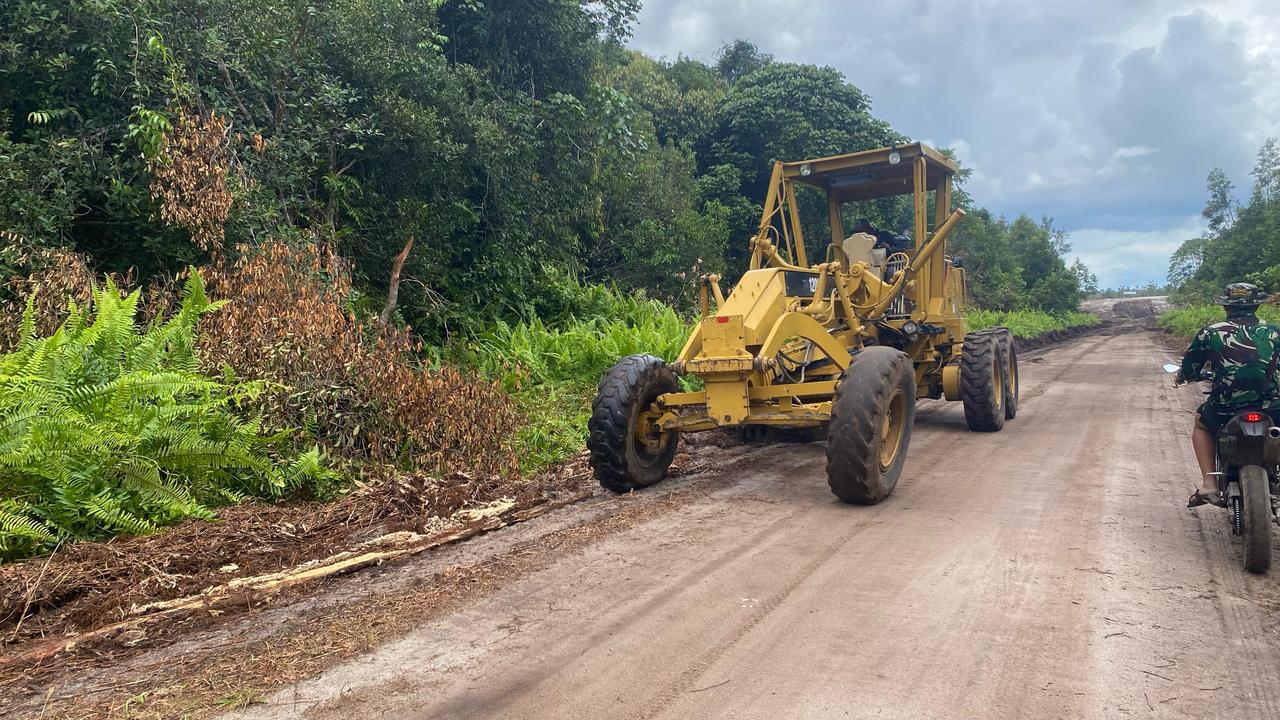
<point x="1247" y="467"/>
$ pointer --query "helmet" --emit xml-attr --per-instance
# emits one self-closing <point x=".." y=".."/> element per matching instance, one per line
<point x="1242" y="295"/>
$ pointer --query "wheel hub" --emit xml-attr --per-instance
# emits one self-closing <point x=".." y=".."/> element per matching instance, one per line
<point x="891" y="429"/>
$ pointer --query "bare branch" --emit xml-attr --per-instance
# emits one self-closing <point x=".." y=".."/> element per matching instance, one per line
<point x="393" y="293"/>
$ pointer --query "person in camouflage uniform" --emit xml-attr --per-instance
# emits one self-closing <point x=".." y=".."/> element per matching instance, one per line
<point x="1241" y="355"/>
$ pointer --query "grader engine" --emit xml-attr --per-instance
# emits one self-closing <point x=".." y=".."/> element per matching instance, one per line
<point x="846" y="344"/>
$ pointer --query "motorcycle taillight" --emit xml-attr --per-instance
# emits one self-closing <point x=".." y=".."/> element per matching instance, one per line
<point x="1253" y="417"/>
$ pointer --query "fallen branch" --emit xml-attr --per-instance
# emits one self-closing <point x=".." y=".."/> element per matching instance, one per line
<point x="241" y="591"/>
<point x="31" y="592"/>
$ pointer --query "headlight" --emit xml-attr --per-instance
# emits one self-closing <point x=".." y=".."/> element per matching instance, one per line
<point x="894" y="158"/>
<point x="910" y="327"/>
<point x="806" y="170"/>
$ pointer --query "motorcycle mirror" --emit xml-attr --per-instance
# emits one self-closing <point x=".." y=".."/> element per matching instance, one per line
<point x="1170" y="368"/>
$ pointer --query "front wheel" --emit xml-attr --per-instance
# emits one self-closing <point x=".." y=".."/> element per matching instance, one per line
<point x="871" y="417"/>
<point x="625" y="454"/>
<point x="1255" y="494"/>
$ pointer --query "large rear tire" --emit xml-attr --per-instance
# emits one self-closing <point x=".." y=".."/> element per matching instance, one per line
<point x="982" y="381"/>
<point x="1256" y="492"/>
<point x="621" y="460"/>
<point x="1011" y="384"/>
<point x="870" y="428"/>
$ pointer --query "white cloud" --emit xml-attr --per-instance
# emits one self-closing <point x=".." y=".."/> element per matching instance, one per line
<point x="1132" y="257"/>
<point x="1133" y="151"/>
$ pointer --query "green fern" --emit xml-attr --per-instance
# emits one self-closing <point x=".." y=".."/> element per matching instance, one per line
<point x="106" y="429"/>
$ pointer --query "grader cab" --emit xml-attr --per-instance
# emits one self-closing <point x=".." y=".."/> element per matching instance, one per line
<point x="846" y="344"/>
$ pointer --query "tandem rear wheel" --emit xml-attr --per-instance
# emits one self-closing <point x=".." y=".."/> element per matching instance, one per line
<point x="989" y="381"/>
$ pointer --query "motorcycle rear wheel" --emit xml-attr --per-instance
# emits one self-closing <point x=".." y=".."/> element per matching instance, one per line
<point x="1256" y="491"/>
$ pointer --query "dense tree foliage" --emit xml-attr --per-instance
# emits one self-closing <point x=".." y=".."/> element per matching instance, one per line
<point x="1242" y="242"/>
<point x="513" y="142"/>
<point x="1019" y="264"/>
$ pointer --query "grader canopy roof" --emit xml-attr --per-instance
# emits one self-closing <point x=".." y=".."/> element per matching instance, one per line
<point x="871" y="174"/>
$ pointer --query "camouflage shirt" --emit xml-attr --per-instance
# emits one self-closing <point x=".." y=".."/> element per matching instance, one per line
<point x="1239" y="353"/>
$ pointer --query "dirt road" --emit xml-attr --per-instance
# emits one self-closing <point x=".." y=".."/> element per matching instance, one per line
<point x="1047" y="571"/>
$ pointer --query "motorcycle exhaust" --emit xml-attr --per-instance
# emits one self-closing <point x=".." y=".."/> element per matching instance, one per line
<point x="1273" y="433"/>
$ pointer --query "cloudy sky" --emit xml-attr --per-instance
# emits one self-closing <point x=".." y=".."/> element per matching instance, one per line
<point x="1103" y="114"/>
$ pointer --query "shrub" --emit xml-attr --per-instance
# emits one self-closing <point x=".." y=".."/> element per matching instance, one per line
<point x="552" y="365"/>
<point x="1029" y="323"/>
<point x="1186" y="321"/>
<point x="44" y="281"/>
<point x="362" y="390"/>
<point x="531" y="353"/>
<point x="107" y="430"/>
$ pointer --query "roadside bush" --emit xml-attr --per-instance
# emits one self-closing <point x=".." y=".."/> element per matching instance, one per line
<point x="44" y="282"/>
<point x="361" y="390"/>
<point x="106" y="430"/>
<point x="531" y="353"/>
<point x="1029" y="323"/>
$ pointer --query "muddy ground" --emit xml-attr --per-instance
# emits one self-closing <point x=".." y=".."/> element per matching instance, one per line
<point x="1049" y="570"/>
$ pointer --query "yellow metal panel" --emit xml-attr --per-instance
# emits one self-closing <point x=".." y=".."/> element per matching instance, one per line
<point x="722" y="336"/>
<point x="727" y="402"/>
<point x="805" y="389"/>
<point x="796" y="324"/>
<point x="692" y="346"/>
<point x="760" y="298"/>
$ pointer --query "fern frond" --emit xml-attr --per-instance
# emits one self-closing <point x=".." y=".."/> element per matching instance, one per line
<point x="106" y="508"/>
<point x="106" y="428"/>
<point x="305" y="469"/>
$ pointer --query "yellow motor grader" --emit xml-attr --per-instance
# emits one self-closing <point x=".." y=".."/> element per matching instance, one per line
<point x="846" y="344"/>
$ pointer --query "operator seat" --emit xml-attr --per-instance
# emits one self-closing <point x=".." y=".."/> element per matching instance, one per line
<point x="861" y="247"/>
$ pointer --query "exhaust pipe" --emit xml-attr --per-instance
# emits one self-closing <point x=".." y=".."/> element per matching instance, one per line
<point x="1273" y="433"/>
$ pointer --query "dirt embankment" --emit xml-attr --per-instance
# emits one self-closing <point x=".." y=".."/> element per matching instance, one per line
<point x="1054" y="337"/>
<point x="105" y="596"/>
<point x="1110" y="309"/>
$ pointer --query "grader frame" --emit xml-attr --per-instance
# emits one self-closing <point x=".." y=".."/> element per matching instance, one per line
<point x="793" y="337"/>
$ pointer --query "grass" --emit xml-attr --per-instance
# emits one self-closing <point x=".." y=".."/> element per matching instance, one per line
<point x="1187" y="320"/>
<point x="552" y="368"/>
<point x="1029" y="323"/>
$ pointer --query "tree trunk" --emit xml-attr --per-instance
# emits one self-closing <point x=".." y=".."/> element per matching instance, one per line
<point x="393" y="293"/>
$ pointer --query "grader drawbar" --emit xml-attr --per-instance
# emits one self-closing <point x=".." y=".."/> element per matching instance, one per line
<point x="845" y="345"/>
